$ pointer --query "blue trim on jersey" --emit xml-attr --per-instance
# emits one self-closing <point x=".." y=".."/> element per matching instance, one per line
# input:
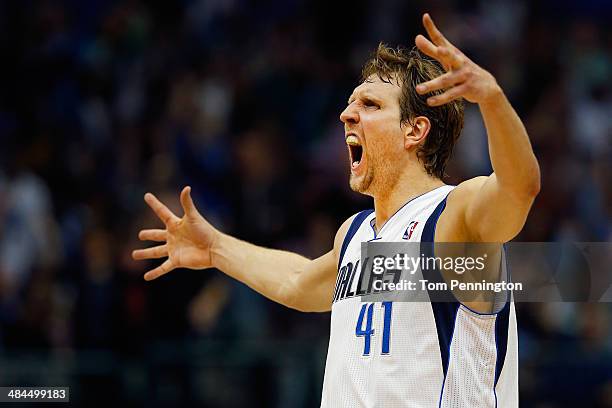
<point x="429" y="229"/>
<point x="445" y="313"/>
<point x="502" y="328"/>
<point x="357" y="221"/>
<point x="450" y="343"/>
<point x="502" y="323"/>
<point x="372" y="224"/>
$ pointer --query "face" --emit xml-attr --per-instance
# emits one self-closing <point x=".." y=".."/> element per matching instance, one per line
<point x="374" y="136"/>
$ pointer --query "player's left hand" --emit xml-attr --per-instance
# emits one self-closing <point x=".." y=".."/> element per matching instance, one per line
<point x="463" y="77"/>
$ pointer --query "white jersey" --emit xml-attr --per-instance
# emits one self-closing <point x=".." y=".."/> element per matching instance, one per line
<point x="414" y="354"/>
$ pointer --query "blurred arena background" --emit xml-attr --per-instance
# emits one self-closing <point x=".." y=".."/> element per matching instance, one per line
<point x="102" y="101"/>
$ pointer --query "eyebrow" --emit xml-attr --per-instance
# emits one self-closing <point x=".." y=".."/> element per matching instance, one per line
<point x="364" y="95"/>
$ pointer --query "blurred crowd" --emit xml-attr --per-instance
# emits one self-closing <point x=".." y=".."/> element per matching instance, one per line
<point x="101" y="101"/>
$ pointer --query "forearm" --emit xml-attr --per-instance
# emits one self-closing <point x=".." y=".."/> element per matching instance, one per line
<point x="270" y="272"/>
<point x="514" y="163"/>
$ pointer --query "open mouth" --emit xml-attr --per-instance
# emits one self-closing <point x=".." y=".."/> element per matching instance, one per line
<point x="355" y="150"/>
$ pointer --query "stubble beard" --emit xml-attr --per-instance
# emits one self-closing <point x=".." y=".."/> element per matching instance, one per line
<point x="388" y="177"/>
<point x="361" y="185"/>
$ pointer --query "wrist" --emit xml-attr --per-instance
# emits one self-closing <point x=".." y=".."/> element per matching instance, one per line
<point x="493" y="97"/>
<point x="217" y="243"/>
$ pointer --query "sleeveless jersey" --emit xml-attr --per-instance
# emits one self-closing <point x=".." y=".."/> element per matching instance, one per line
<point x="414" y="354"/>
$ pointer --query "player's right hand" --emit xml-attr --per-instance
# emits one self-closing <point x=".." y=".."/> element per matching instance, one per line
<point x="187" y="241"/>
<point x="463" y="78"/>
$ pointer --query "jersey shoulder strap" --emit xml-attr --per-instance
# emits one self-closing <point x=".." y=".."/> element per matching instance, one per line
<point x="429" y="231"/>
<point x="357" y="221"/>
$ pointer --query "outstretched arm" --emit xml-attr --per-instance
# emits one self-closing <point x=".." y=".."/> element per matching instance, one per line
<point x="192" y="242"/>
<point x="493" y="208"/>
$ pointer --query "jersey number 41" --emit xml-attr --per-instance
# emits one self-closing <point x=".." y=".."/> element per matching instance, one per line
<point x="367" y="310"/>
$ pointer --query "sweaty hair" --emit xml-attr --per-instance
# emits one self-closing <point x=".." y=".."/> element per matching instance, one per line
<point x="408" y="68"/>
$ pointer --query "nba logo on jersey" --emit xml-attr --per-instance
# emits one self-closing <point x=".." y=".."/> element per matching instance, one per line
<point x="410" y="229"/>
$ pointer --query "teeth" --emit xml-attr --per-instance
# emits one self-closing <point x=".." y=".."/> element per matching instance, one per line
<point x="352" y="141"/>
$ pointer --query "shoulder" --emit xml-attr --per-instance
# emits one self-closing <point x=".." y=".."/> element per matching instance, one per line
<point x="345" y="229"/>
<point x="465" y="189"/>
<point x="342" y="231"/>
<point x="452" y="225"/>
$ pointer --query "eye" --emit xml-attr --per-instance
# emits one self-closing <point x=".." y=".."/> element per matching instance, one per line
<point x="370" y="104"/>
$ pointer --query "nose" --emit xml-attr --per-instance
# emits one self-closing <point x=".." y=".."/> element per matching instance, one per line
<point x="349" y="115"/>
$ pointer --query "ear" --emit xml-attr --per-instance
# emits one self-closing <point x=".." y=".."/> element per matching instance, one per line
<point x="416" y="132"/>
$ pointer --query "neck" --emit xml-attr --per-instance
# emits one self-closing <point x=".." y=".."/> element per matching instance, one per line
<point x="407" y="188"/>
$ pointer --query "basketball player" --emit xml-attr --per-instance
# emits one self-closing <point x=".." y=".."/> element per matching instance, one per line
<point x="401" y="124"/>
